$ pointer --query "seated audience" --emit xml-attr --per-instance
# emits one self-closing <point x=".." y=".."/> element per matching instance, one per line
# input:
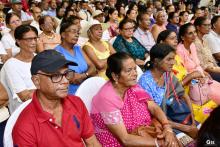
<point x="206" y="59"/>
<point x="97" y="50"/>
<point x="112" y="20"/>
<point x="184" y="15"/>
<point x="142" y="33"/>
<point x="159" y="26"/>
<point x="8" y="40"/>
<point x="187" y="51"/>
<point x="53" y="118"/>
<point x="131" y="14"/>
<point x="120" y="112"/>
<point x="164" y="87"/>
<point x="213" y="38"/>
<point x="48" y="39"/>
<point x="15" y="74"/>
<point x="125" y="42"/>
<point x="69" y="33"/>
<point x="173" y="21"/>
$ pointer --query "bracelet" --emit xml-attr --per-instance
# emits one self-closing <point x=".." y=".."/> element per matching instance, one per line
<point x="156" y="143"/>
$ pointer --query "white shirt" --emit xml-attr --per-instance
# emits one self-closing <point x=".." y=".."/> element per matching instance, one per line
<point x="24" y="15"/>
<point x="85" y="15"/>
<point x="9" y="43"/>
<point x="2" y="51"/>
<point x="16" y="77"/>
<point x="213" y="41"/>
<point x="35" y="24"/>
<point x="145" y="38"/>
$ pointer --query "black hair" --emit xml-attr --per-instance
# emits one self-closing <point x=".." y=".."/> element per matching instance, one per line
<point x="65" y="26"/>
<point x="183" y="30"/>
<point x="114" y="63"/>
<point x="159" y="51"/>
<point x="140" y="17"/>
<point x="110" y="11"/>
<point x="210" y="130"/>
<point x="22" y="29"/>
<point x="118" y="7"/>
<point x="183" y="12"/>
<point x="163" y="35"/>
<point x="214" y="20"/>
<point x="70" y="19"/>
<point x="9" y="16"/>
<point x="199" y="21"/>
<point x="171" y="15"/>
<point x="168" y="6"/>
<point x="124" y="21"/>
<point x="131" y="5"/>
<point x="57" y="12"/>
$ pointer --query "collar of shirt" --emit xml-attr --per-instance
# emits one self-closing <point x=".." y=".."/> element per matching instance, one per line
<point x="214" y="33"/>
<point x="141" y="32"/>
<point x="43" y="116"/>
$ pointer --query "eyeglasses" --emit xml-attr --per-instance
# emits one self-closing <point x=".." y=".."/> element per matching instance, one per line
<point x="73" y="31"/>
<point x="56" y="78"/>
<point x="30" y="39"/>
<point x="128" y="29"/>
<point x="206" y="25"/>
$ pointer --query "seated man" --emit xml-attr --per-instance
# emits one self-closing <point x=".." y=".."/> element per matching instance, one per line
<point x="53" y="118"/>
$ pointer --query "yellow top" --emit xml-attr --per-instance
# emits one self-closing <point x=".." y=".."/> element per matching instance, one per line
<point x="101" y="55"/>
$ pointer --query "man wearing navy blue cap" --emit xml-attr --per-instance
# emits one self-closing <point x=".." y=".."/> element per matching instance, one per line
<point x="53" y="118"/>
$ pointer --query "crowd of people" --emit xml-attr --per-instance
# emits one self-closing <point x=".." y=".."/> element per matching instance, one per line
<point x="48" y="48"/>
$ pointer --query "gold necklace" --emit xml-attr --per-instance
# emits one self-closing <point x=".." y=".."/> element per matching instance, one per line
<point x="50" y="37"/>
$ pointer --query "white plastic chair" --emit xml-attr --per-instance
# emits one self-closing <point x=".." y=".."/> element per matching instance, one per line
<point x="88" y="89"/>
<point x="139" y="72"/>
<point x="8" y="142"/>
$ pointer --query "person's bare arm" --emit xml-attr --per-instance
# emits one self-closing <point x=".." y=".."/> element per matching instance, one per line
<point x="40" y="46"/>
<point x="3" y="96"/>
<point x="126" y="139"/>
<point x="155" y="32"/>
<point x="187" y="79"/>
<point x="25" y="95"/>
<point x="112" y="50"/>
<point x="92" y="142"/>
<point x="99" y="63"/>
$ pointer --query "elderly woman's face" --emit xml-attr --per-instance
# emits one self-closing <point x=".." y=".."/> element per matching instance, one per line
<point x="128" y="75"/>
<point x="28" y="43"/>
<point x="166" y="64"/>
<point x="95" y="32"/>
<point x="128" y="30"/>
<point x="161" y="17"/>
<point x="71" y="34"/>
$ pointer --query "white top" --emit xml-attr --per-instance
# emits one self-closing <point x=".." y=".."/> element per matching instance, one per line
<point x="4" y="114"/>
<point x="106" y="35"/>
<point x="16" y="77"/>
<point x="24" y="15"/>
<point x="213" y="41"/>
<point x="2" y="51"/>
<point x="84" y="14"/>
<point x="145" y="38"/>
<point x="35" y="24"/>
<point x="9" y="43"/>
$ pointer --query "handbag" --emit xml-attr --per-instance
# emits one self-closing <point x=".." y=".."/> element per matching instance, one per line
<point x="176" y="109"/>
<point x="199" y="92"/>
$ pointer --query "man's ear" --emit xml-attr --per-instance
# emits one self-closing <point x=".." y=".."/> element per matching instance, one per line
<point x="36" y="81"/>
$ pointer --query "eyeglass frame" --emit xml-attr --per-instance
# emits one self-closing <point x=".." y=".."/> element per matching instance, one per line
<point x="60" y="74"/>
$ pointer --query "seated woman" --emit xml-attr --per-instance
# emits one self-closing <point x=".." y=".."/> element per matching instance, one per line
<point x="15" y="73"/>
<point x="165" y="89"/>
<point x="48" y="39"/>
<point x="125" y="42"/>
<point x="112" y="20"/>
<point x="187" y="51"/>
<point x="96" y="49"/>
<point x="173" y="21"/>
<point x="159" y="26"/>
<point x="12" y="21"/>
<point x="126" y="107"/>
<point x="207" y="61"/>
<point x="70" y="33"/>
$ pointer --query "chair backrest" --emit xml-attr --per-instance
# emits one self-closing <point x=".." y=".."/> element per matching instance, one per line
<point x="139" y="72"/>
<point x="8" y="142"/>
<point x="88" y="89"/>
